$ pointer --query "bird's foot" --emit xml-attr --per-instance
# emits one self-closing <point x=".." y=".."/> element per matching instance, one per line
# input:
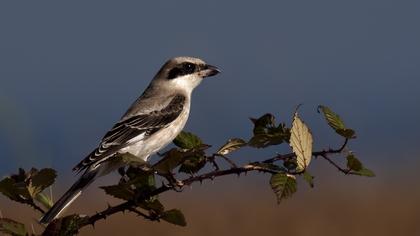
<point x="174" y="183"/>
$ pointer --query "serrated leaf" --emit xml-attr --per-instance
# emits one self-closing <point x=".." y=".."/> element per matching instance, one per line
<point x="332" y="118"/>
<point x="353" y="163"/>
<point x="11" y="227"/>
<point x="7" y="188"/>
<point x="308" y="178"/>
<point x="283" y="185"/>
<point x="170" y="161"/>
<point x="39" y="180"/>
<point x="262" y="123"/>
<point x="131" y="159"/>
<point x="231" y="145"/>
<point x="266" y="133"/>
<point x="336" y="122"/>
<point x="15" y="191"/>
<point x="138" y="180"/>
<point x="187" y="140"/>
<point x="265" y="140"/>
<point x="346" y="133"/>
<point x="364" y="172"/>
<point x="120" y="191"/>
<point x="175" y="217"/>
<point x="65" y="226"/>
<point x="193" y="163"/>
<point x="301" y="143"/>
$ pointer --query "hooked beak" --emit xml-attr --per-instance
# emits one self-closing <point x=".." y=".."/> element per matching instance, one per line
<point x="210" y="70"/>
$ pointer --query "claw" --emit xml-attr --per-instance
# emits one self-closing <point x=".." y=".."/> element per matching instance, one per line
<point x="173" y="183"/>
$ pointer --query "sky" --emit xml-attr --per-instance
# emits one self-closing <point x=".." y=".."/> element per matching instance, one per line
<point x="69" y="70"/>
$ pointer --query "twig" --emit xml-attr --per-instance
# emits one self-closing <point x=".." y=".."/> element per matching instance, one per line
<point x="212" y="160"/>
<point x="282" y="157"/>
<point x="345" y="171"/>
<point x="123" y="206"/>
<point x="131" y="205"/>
<point x="36" y="207"/>
<point x="145" y="216"/>
<point x="332" y="151"/>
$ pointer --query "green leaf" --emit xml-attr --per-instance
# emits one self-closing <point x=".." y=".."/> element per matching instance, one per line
<point x="120" y="191"/>
<point x="266" y="133"/>
<point x="353" y="163"/>
<point x="11" y="227"/>
<point x="170" y="161"/>
<point x="263" y="123"/>
<point x="15" y="191"/>
<point x="23" y="187"/>
<point x="301" y="143"/>
<point x="8" y="189"/>
<point x="135" y="181"/>
<point x="336" y="123"/>
<point x="65" y="226"/>
<point x="139" y="181"/>
<point x="364" y="172"/>
<point x="231" y="145"/>
<point x="130" y="159"/>
<point x="283" y="185"/>
<point x="346" y="133"/>
<point x="357" y="167"/>
<point x="265" y="140"/>
<point x="175" y="217"/>
<point x="143" y="180"/>
<point x="193" y="163"/>
<point x="187" y="140"/>
<point x="308" y="178"/>
<point x="332" y="118"/>
<point x="44" y="200"/>
<point x="39" y="180"/>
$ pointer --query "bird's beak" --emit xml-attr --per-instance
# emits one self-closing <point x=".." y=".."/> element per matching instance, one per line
<point x="210" y="70"/>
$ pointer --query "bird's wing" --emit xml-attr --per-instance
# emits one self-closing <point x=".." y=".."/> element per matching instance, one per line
<point x="138" y="126"/>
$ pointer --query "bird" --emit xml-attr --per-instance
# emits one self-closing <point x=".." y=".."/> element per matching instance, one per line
<point x="149" y="124"/>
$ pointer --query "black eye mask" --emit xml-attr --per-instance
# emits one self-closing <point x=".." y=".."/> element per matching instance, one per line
<point x="183" y="69"/>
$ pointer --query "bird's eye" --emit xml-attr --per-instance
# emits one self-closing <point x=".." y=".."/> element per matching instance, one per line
<point x="184" y="69"/>
<point x="188" y="68"/>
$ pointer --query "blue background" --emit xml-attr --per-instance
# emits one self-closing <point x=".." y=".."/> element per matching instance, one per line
<point x="69" y="70"/>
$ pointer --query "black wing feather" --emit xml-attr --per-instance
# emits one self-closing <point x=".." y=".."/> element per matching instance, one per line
<point x="125" y="130"/>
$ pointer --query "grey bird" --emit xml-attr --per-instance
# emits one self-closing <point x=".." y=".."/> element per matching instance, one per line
<point x="151" y="123"/>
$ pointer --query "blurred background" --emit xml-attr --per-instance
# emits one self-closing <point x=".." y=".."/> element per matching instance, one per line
<point x="69" y="70"/>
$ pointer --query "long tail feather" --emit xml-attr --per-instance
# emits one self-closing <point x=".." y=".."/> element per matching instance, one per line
<point x="71" y="195"/>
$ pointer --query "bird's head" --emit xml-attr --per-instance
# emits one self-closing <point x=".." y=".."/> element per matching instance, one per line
<point x="184" y="73"/>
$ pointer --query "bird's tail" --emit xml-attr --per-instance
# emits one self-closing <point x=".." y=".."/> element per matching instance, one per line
<point x="71" y="195"/>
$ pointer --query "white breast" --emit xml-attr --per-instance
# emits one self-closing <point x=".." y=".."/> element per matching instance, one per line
<point x="144" y="148"/>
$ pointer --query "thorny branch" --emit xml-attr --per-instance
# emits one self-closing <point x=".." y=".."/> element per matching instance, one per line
<point x="36" y="207"/>
<point x="234" y="169"/>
